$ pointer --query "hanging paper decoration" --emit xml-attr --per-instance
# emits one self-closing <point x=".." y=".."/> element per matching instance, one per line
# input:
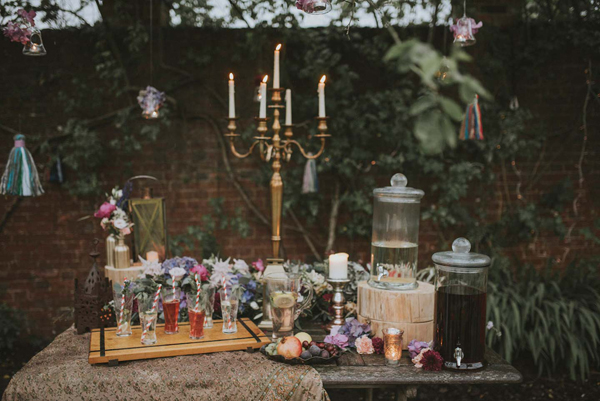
<point x="23" y="31"/>
<point x="471" y="126"/>
<point x="150" y="100"/>
<point x="514" y="103"/>
<point x="20" y="176"/>
<point x="310" y="181"/>
<point x="314" y="6"/>
<point x="465" y="29"/>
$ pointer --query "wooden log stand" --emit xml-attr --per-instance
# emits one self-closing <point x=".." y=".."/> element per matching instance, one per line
<point x="411" y="311"/>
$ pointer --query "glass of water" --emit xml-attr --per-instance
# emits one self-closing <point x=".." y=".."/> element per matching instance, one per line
<point x="229" y="310"/>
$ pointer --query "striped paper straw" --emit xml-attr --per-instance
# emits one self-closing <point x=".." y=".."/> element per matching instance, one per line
<point x="151" y="312"/>
<point x="122" y="306"/>
<point x="197" y="293"/>
<point x="229" y="324"/>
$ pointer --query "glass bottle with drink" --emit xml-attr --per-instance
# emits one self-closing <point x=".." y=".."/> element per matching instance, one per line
<point x="394" y="244"/>
<point x="460" y="306"/>
<point x="284" y="291"/>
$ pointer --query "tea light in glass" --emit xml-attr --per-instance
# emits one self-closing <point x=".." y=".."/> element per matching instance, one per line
<point x="392" y="345"/>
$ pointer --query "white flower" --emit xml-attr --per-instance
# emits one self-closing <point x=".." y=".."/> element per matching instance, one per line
<point x="490" y="324"/>
<point x="120" y="223"/>
<point x="104" y="221"/>
<point x="151" y="268"/>
<point x="254" y="305"/>
<point x="316" y="278"/>
<point x="112" y="201"/>
<point x="222" y="268"/>
<point x="120" y="193"/>
<point x="177" y="273"/>
<point x="300" y="298"/>
<point x="240" y="266"/>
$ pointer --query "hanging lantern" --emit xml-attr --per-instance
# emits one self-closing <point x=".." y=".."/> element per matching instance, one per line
<point x="20" y="176"/>
<point x="35" y="46"/>
<point x="314" y="7"/>
<point x="150" y="100"/>
<point x="471" y="126"/>
<point x="465" y="29"/>
<point x="149" y="225"/>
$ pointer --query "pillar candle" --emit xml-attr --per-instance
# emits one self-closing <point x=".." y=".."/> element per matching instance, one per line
<point x="276" y="67"/>
<point x="288" y="107"/>
<point x="321" y="90"/>
<point x="152" y="256"/>
<point x="262" y="113"/>
<point x="338" y="266"/>
<point x="231" y="96"/>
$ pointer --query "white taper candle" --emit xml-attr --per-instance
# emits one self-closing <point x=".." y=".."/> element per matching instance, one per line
<point x="321" y="90"/>
<point x="231" y="96"/>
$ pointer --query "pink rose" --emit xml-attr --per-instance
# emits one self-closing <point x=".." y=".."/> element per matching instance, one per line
<point x="126" y="231"/>
<point x="105" y="210"/>
<point x="417" y="360"/>
<point x="259" y="265"/>
<point x="201" y="271"/>
<point x="364" y="345"/>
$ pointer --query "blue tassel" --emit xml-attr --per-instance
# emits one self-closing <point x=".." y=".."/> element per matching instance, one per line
<point x="310" y="182"/>
<point x="20" y="177"/>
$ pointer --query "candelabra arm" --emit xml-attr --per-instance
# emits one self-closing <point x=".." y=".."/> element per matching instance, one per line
<point x="242" y="155"/>
<point x="290" y="142"/>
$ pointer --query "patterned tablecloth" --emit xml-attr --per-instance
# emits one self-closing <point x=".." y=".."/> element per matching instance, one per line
<point x="61" y="372"/>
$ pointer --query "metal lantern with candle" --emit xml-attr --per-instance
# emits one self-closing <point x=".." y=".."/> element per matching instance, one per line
<point x="460" y="306"/>
<point x="275" y="149"/>
<point x="394" y="245"/>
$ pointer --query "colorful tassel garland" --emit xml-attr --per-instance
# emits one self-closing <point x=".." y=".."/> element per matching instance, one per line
<point x="471" y="126"/>
<point x="20" y="176"/>
<point x="310" y="182"/>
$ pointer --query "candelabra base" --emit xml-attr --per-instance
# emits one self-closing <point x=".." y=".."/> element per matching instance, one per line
<point x="338" y="301"/>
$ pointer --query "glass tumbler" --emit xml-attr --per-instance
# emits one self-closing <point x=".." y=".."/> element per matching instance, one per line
<point x="197" y="315"/>
<point x="171" y="298"/>
<point x="229" y="310"/>
<point x="123" y="309"/>
<point x="148" y="318"/>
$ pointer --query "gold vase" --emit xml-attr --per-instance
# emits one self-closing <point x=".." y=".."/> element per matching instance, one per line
<point x="111" y="242"/>
<point x="122" y="256"/>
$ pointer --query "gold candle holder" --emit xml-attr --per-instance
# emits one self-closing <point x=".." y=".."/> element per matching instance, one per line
<point x="338" y="300"/>
<point x="392" y="345"/>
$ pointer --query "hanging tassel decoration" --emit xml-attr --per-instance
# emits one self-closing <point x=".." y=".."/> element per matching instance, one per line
<point x="20" y="177"/>
<point x="471" y="126"/>
<point x="310" y="182"/>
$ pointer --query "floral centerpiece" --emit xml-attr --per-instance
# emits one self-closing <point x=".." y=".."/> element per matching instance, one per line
<point x="113" y="217"/>
<point x="21" y="28"/>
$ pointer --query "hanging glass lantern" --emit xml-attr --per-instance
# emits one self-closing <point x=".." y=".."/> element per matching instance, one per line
<point x="314" y="6"/>
<point x="150" y="100"/>
<point x="464" y="31"/>
<point x="150" y="225"/>
<point x="35" y="45"/>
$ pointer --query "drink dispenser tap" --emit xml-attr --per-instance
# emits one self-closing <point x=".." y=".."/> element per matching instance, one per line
<point x="460" y="306"/>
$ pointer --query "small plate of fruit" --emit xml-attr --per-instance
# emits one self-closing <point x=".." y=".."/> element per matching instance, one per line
<point x="301" y="349"/>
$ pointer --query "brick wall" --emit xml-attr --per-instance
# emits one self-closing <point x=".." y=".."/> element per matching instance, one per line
<point x="44" y="246"/>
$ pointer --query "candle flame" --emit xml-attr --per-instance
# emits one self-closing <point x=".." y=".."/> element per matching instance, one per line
<point x="266" y="78"/>
<point x="231" y="75"/>
<point x="278" y="47"/>
<point x="323" y="79"/>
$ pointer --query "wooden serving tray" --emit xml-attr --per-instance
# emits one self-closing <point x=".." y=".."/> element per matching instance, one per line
<point x="106" y="347"/>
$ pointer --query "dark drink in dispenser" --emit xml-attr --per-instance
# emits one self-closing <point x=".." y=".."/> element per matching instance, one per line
<point x="460" y="306"/>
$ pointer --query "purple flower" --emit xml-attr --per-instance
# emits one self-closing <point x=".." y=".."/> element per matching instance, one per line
<point x="17" y="34"/>
<point x="415" y="347"/>
<point x="27" y="16"/>
<point x="354" y="329"/>
<point x="340" y="340"/>
<point x="185" y="263"/>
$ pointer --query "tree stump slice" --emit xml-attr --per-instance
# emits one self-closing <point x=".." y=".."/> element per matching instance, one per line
<point x="411" y="311"/>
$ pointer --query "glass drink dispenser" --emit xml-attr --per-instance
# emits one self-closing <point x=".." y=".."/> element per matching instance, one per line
<point x="394" y="244"/>
<point x="460" y="306"/>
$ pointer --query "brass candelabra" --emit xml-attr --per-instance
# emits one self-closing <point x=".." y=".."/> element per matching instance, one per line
<point x="274" y="149"/>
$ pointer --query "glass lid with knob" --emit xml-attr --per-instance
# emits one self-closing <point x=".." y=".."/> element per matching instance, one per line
<point x="394" y="243"/>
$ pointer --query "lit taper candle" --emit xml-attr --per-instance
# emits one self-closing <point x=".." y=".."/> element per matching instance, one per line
<point x="231" y="96"/>
<point x="321" y="91"/>
<point x="276" y="67"/>
<point x="288" y="107"/>
<point x="338" y="266"/>
<point x="262" y="113"/>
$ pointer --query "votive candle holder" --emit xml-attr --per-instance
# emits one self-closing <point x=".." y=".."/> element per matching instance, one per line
<point x="392" y="345"/>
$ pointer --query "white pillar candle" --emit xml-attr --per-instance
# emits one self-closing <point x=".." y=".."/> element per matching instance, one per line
<point x="152" y="256"/>
<point x="321" y="90"/>
<point x="338" y="266"/>
<point x="262" y="113"/>
<point x="231" y="96"/>
<point x="288" y="107"/>
<point x="276" y="67"/>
